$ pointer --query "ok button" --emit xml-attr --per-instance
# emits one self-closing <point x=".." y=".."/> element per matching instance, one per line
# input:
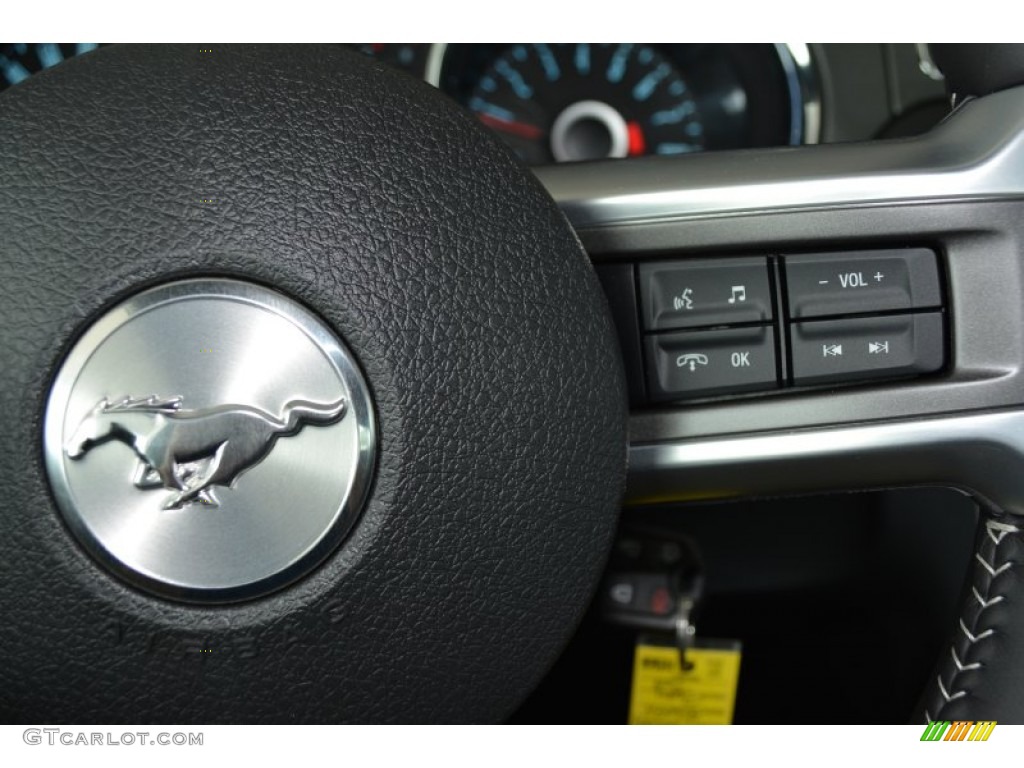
<point x="741" y="359"/>
<point x="691" y="364"/>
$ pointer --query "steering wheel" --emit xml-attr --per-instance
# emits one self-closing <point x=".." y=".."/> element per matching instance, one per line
<point x="316" y="410"/>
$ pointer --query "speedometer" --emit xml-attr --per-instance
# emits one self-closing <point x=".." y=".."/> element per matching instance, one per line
<point x="590" y="101"/>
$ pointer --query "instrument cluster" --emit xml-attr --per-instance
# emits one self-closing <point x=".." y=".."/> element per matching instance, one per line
<point x="570" y="102"/>
<point x="566" y="102"/>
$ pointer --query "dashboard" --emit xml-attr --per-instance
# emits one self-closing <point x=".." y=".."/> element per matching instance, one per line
<point x="572" y="102"/>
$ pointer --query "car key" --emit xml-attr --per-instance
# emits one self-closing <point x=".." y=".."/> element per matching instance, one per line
<point x="655" y="581"/>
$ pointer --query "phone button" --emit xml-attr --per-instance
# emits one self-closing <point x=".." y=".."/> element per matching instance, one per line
<point x="693" y="364"/>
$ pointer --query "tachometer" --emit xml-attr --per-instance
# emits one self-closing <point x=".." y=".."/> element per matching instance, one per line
<point x="588" y="101"/>
<point x="583" y="101"/>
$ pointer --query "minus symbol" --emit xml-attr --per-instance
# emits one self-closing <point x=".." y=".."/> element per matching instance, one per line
<point x="823" y="282"/>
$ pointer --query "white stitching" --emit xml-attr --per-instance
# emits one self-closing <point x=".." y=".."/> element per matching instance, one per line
<point x="986" y="603"/>
<point x="975" y="638"/>
<point x="997" y="531"/>
<point x="995" y="525"/>
<point x="961" y="666"/>
<point x="992" y="571"/>
<point x="946" y="694"/>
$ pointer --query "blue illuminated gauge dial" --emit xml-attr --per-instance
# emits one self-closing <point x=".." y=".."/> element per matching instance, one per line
<point x="18" y="61"/>
<point x="587" y="101"/>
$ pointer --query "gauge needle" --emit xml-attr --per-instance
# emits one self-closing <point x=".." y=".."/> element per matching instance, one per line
<point x="636" y="139"/>
<point x="523" y="130"/>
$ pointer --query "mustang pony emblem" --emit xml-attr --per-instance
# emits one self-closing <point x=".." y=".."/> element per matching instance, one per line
<point x="188" y="451"/>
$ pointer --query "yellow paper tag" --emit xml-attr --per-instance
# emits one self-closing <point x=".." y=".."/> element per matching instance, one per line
<point x="665" y="694"/>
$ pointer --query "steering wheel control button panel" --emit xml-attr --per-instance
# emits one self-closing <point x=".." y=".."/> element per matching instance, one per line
<point x="209" y="440"/>
<point x="706" y="363"/>
<point x="861" y="282"/>
<point x="892" y="346"/>
<point x="705" y="293"/>
<point x="712" y="327"/>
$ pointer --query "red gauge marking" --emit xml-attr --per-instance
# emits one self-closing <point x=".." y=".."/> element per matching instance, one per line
<point x="523" y="130"/>
<point x="637" y="146"/>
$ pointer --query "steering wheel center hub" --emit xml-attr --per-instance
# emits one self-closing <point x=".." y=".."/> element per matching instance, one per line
<point x="209" y="440"/>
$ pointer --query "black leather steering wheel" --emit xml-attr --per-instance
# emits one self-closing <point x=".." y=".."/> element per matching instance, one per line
<point x="474" y="315"/>
<point x="464" y="296"/>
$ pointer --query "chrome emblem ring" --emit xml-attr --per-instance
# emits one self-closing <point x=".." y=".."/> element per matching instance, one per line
<point x="209" y="440"/>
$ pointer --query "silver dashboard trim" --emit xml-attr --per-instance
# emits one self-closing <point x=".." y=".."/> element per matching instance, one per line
<point x="978" y="152"/>
<point x="804" y="93"/>
<point x="926" y="64"/>
<point x="982" y="455"/>
<point x="435" y="63"/>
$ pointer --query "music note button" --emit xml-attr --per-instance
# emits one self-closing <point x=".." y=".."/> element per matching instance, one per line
<point x="704" y="293"/>
<point x="739" y="293"/>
